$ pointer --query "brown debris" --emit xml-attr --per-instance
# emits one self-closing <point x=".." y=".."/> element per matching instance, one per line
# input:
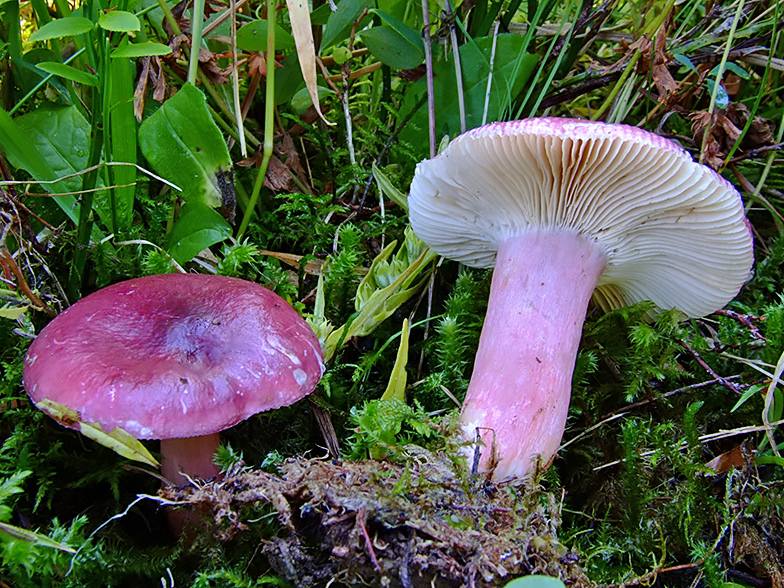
<point x="282" y="166"/>
<point x="724" y="129"/>
<point x="382" y="524"/>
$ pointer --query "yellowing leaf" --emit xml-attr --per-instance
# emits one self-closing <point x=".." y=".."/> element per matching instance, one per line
<point x="299" y="14"/>
<point x="13" y="312"/>
<point x="119" y="440"/>
<point x="33" y="537"/>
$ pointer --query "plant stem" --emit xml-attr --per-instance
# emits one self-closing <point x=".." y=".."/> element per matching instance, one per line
<point x="269" y="120"/>
<point x="197" y="23"/>
<point x="431" y="104"/>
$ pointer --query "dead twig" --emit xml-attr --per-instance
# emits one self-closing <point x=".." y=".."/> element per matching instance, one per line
<point x="747" y="320"/>
<point x="721" y="380"/>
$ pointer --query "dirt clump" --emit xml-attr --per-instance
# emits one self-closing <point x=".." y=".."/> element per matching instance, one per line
<point x="417" y="523"/>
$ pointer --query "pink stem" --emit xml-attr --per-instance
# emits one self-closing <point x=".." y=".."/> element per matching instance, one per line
<point x="191" y="456"/>
<point x="519" y="394"/>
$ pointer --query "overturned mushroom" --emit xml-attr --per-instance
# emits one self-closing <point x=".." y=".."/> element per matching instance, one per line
<point x="566" y="210"/>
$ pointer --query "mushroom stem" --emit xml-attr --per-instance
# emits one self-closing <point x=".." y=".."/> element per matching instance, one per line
<point x="191" y="456"/>
<point x="188" y="456"/>
<point x="518" y="398"/>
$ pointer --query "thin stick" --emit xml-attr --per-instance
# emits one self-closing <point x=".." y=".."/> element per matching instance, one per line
<point x="704" y="439"/>
<point x="269" y="120"/>
<point x="723" y="381"/>
<point x="458" y="67"/>
<point x="235" y="80"/>
<point x="490" y="75"/>
<point x="89" y="169"/>
<point x="431" y="104"/>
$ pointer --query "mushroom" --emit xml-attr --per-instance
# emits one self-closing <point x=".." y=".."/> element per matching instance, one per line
<point x="176" y="357"/>
<point x="566" y="210"/>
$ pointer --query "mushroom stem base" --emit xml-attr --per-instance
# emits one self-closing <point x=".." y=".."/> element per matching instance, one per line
<point x="191" y="456"/>
<point x="518" y="398"/>
<point x="183" y="458"/>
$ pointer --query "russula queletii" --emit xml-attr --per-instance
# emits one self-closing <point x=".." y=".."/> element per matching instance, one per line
<point x="176" y="357"/>
<point x="567" y="210"/>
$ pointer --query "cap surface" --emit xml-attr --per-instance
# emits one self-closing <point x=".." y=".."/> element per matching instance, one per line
<point x="674" y="231"/>
<point x="175" y="355"/>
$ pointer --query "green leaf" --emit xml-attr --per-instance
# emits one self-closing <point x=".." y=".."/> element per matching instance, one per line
<point x="9" y="487"/>
<point x="69" y="73"/>
<point x="33" y="537"/>
<point x="49" y="143"/>
<point x="375" y="300"/>
<point x="141" y="50"/>
<point x="197" y="228"/>
<point x="122" y="142"/>
<point x="69" y="26"/>
<point x="119" y="21"/>
<point x="253" y="37"/>
<point x="12" y="312"/>
<point x="340" y="22"/>
<point x="118" y="440"/>
<point x="388" y="189"/>
<point x="184" y="145"/>
<point x="396" y="388"/>
<point x="391" y="49"/>
<point x="511" y="69"/>
<point x="395" y="43"/>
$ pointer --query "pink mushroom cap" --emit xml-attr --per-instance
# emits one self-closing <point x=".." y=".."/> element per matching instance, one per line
<point x="175" y="355"/>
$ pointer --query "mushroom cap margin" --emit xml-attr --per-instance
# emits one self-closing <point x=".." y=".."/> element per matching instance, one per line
<point x="662" y="218"/>
<point x="175" y="355"/>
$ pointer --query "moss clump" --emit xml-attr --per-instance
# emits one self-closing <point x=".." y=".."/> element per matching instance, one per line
<point x="383" y="524"/>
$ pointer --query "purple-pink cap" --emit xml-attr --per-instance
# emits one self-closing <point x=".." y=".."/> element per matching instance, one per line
<point x="175" y="355"/>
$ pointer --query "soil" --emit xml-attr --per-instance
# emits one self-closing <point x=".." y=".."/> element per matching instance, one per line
<point x="422" y="522"/>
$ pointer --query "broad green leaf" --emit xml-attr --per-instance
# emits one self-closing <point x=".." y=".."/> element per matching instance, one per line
<point x="141" y="50"/>
<point x="396" y="388"/>
<point x="253" y="37"/>
<point x="197" y="228"/>
<point x="33" y="537"/>
<point x="395" y="43"/>
<point x="63" y="27"/>
<point x="341" y="21"/>
<point x="288" y="79"/>
<point x="118" y="440"/>
<point x="511" y="69"/>
<point x="69" y="73"/>
<point x="184" y="145"/>
<point x="303" y="98"/>
<point x="299" y="15"/>
<point x="62" y="136"/>
<point x="389" y="190"/>
<point x="391" y="49"/>
<point x="122" y="142"/>
<point x="119" y="21"/>
<point x="49" y="143"/>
